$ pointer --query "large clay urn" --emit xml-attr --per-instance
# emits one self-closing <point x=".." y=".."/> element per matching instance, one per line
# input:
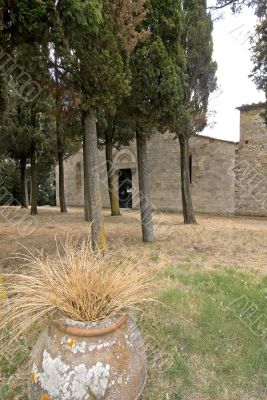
<point x="88" y="361"/>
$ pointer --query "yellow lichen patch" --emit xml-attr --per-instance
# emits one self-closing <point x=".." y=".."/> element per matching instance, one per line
<point x="45" y="397"/>
<point x="103" y="241"/>
<point x="115" y="203"/>
<point x="71" y="343"/>
<point x="33" y="378"/>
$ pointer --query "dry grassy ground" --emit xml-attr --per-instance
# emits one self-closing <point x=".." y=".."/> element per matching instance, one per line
<point x="198" y="349"/>
<point x="214" y="243"/>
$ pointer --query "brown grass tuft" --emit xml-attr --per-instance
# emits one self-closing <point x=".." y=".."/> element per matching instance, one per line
<point x="84" y="285"/>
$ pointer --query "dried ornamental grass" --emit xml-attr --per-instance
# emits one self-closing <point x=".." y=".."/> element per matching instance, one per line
<point x="83" y="285"/>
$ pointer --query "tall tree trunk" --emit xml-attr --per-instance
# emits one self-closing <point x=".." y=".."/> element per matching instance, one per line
<point x="91" y="165"/>
<point x="61" y="182"/>
<point x="86" y="173"/>
<point x="60" y="146"/>
<point x="34" y="183"/>
<point x="114" y="201"/>
<point x="188" y="210"/>
<point x="145" y="203"/>
<point x="23" y="182"/>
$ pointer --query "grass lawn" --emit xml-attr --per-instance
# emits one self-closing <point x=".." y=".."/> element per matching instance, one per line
<point x="201" y="339"/>
<point x="207" y="335"/>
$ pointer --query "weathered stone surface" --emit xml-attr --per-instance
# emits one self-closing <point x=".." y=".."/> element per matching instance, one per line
<point x="227" y="177"/>
<point x="251" y="164"/>
<point x="212" y="174"/>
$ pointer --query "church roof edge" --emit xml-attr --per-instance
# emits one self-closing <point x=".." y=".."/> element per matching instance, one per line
<point x="247" y="107"/>
<point x="217" y="139"/>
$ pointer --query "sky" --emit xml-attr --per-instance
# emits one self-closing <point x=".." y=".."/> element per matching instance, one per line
<point x="232" y="53"/>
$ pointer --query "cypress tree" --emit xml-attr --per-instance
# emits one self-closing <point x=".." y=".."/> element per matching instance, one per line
<point x="199" y="81"/>
<point x="94" y="54"/>
<point x="259" y="52"/>
<point x="27" y="134"/>
<point x="67" y="124"/>
<point x="23" y="21"/>
<point x="156" y="89"/>
<point x="16" y="141"/>
<point x="60" y="142"/>
<point x="37" y="112"/>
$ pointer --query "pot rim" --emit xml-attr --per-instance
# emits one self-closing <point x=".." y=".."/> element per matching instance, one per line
<point x="89" y="331"/>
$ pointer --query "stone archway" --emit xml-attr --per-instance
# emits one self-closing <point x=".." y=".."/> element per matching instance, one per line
<point x="125" y="159"/>
<point x="125" y="163"/>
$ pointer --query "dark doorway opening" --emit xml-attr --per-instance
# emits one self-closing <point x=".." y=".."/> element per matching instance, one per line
<point x="125" y="188"/>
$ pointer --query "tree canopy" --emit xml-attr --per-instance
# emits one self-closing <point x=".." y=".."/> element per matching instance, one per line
<point x="200" y="69"/>
<point x="259" y="55"/>
<point x="236" y="5"/>
<point x="156" y="67"/>
<point x="23" y="21"/>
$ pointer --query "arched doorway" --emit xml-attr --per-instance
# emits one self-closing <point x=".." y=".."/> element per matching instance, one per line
<point x="126" y="166"/>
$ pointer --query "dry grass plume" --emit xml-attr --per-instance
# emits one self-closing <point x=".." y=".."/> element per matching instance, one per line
<point x="83" y="285"/>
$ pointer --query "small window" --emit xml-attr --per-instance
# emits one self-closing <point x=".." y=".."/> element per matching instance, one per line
<point x="78" y="175"/>
<point x="191" y="168"/>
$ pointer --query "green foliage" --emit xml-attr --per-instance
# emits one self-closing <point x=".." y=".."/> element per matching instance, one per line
<point x="259" y="40"/>
<point x="155" y="85"/>
<point x="10" y="180"/>
<point x="173" y="72"/>
<point x="117" y="129"/>
<point x="259" y="54"/>
<point x="167" y="21"/>
<point x="28" y="127"/>
<point x="23" y="21"/>
<point x="16" y="132"/>
<point x="200" y="70"/>
<point x="156" y="68"/>
<point x="46" y="186"/>
<point x="25" y="124"/>
<point x="94" y="54"/>
<point x="236" y="5"/>
<point x="87" y="15"/>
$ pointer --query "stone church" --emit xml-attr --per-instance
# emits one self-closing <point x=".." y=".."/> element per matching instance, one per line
<point x="226" y="177"/>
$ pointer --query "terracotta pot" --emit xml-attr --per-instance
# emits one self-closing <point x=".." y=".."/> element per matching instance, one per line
<point x="96" y="361"/>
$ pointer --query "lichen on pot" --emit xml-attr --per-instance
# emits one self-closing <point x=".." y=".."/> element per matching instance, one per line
<point x="100" y="361"/>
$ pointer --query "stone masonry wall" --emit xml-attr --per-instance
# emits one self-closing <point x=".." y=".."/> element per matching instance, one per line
<point x="213" y="163"/>
<point x="213" y="175"/>
<point x="251" y="165"/>
<point x="74" y="180"/>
